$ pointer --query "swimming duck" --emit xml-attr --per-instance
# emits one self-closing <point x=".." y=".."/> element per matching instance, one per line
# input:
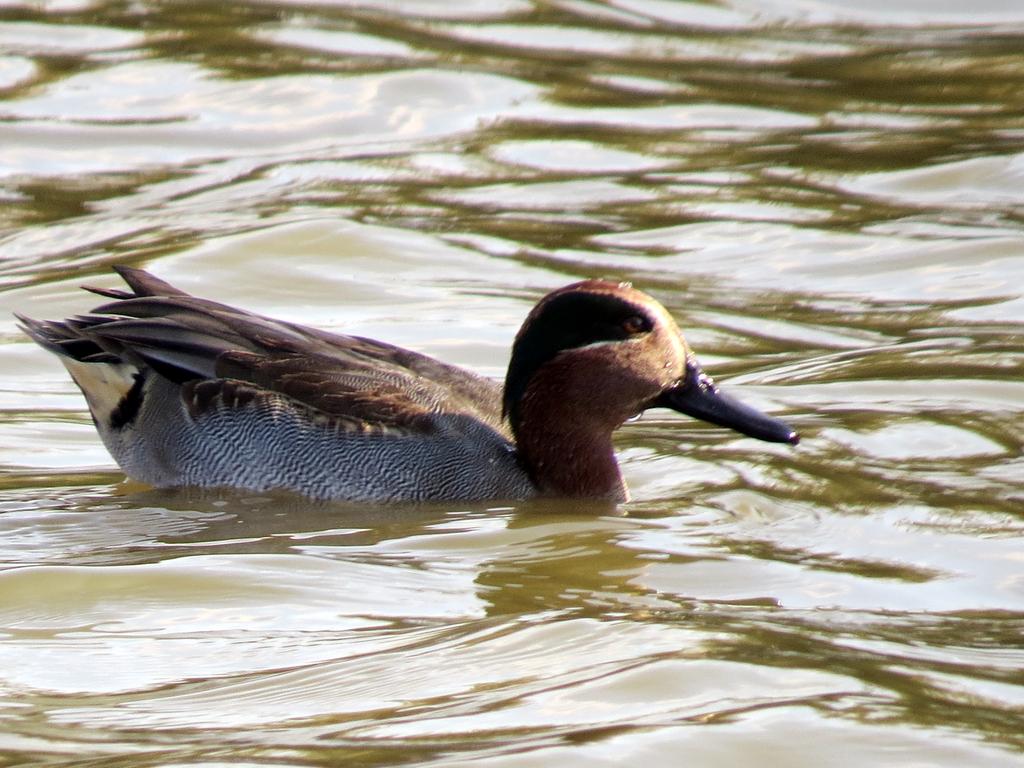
<point x="189" y="392"/>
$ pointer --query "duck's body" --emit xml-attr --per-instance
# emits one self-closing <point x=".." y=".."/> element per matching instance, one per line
<point x="188" y="392"/>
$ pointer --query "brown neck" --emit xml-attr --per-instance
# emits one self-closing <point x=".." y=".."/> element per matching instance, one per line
<point x="568" y="453"/>
<point x="572" y="465"/>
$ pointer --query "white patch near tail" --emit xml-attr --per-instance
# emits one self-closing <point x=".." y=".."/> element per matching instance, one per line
<point x="104" y="385"/>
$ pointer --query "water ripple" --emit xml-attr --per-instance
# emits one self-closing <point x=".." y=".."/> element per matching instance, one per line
<point x="823" y="194"/>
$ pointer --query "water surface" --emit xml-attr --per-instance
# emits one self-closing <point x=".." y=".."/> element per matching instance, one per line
<point x="826" y="195"/>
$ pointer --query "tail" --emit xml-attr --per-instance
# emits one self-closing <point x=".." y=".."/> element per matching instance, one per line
<point x="70" y="338"/>
<point x="112" y="384"/>
<point x="65" y="339"/>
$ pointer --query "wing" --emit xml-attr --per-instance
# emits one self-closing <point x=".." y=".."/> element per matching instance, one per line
<point x="224" y="356"/>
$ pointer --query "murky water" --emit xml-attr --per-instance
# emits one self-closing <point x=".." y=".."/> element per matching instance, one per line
<point x="827" y="195"/>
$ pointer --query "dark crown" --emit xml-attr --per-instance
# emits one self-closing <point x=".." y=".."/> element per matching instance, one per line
<point x="568" y="319"/>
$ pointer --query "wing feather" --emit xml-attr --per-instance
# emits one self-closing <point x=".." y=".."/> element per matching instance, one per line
<point x="227" y="357"/>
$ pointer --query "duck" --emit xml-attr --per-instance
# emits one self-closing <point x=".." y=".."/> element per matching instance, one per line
<point x="186" y="392"/>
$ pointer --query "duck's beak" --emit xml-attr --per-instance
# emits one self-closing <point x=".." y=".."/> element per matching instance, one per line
<point x="698" y="396"/>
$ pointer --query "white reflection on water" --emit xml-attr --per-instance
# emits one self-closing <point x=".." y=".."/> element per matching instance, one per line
<point x="118" y="629"/>
<point x="141" y="114"/>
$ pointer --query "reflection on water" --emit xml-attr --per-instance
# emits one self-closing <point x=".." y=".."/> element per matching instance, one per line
<point x="827" y="197"/>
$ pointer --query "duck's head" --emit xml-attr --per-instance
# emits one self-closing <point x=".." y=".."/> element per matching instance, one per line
<point x="592" y="355"/>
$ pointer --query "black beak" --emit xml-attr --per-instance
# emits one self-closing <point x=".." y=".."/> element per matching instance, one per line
<point x="698" y="396"/>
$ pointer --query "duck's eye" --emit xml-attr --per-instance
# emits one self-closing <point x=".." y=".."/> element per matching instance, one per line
<point x="635" y="324"/>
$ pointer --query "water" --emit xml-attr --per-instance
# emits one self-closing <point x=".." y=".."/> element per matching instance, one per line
<point x="826" y="195"/>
